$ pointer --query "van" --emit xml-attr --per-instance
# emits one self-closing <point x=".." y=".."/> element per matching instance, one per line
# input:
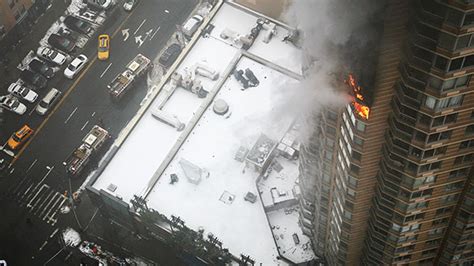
<point x="48" y="101"/>
<point x="192" y="25"/>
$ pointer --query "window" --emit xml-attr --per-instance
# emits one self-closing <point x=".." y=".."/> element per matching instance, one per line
<point x="438" y="222"/>
<point x="436" y="231"/>
<point x="434" y="152"/>
<point x="360" y="126"/>
<point x="464" y="159"/>
<point x="466" y="144"/>
<point x="454" y="186"/>
<point x="444" y="210"/>
<point x="405" y="249"/>
<point x="458" y="173"/>
<point x="429" y="252"/>
<point x="449" y="198"/>
<point x="439" y="136"/>
<point x="446" y="41"/>
<point x="450" y="84"/>
<point x="454" y="17"/>
<point x="416" y="194"/>
<point x="437" y="105"/>
<point x="469" y="130"/>
<point x="469" y="19"/>
<point x="429" y="167"/>
<point x="358" y="141"/>
<point x="441" y="63"/>
<point x="435" y="241"/>
<point x="443" y="120"/>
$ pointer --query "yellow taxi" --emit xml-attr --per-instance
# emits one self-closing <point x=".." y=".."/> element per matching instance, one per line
<point x="104" y="45"/>
<point x="19" y="138"/>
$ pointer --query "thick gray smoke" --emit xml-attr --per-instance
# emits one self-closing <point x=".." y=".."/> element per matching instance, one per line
<point x="338" y="37"/>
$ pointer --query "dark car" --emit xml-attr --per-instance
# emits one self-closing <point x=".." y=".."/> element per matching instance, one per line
<point x="170" y="55"/>
<point x="41" y="68"/>
<point x="34" y="79"/>
<point x="62" y="43"/>
<point x="78" y="25"/>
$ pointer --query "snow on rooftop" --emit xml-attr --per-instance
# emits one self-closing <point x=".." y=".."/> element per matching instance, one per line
<point x="276" y="51"/>
<point x="283" y="223"/>
<point x="150" y="142"/>
<point x="212" y="146"/>
<point x="211" y="184"/>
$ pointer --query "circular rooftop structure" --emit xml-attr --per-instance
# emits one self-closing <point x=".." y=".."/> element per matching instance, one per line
<point x="220" y="107"/>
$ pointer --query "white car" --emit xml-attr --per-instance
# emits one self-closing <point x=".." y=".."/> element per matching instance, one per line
<point x="51" y="55"/>
<point x="75" y="66"/>
<point x="129" y="4"/>
<point x="22" y="92"/>
<point x="12" y="104"/>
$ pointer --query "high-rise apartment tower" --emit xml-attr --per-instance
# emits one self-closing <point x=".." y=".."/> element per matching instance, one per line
<point x="388" y="179"/>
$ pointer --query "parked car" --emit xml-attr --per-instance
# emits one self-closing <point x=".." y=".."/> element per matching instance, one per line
<point x="75" y="66"/>
<point x="100" y="4"/>
<point x="41" y="68"/>
<point x="170" y="55"/>
<point x="48" y="101"/>
<point x="12" y="104"/>
<point x="20" y="137"/>
<point x="33" y="78"/>
<point x="78" y="25"/>
<point x="62" y="43"/>
<point x="104" y="46"/>
<point x="51" y="55"/>
<point x="22" y="92"/>
<point x="130" y="4"/>
<point x="191" y="25"/>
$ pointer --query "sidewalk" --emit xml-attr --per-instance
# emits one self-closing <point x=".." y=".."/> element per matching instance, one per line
<point x="8" y="71"/>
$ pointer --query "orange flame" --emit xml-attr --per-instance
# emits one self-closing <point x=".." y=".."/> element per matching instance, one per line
<point x="361" y="109"/>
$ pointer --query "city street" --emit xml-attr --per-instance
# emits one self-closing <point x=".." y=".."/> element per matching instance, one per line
<point x="37" y="182"/>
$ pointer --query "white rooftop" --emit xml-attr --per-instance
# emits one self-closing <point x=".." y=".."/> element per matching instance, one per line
<point x="210" y="195"/>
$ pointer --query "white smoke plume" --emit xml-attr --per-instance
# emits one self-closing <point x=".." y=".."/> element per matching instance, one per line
<point x="336" y="37"/>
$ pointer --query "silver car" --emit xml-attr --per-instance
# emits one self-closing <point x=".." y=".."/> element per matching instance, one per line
<point x="22" y="92"/>
<point x="12" y="104"/>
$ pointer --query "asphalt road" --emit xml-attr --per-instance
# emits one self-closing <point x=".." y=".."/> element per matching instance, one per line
<point x="88" y="100"/>
<point x="37" y="178"/>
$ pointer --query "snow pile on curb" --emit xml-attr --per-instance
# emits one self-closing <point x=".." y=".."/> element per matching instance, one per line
<point x="71" y="237"/>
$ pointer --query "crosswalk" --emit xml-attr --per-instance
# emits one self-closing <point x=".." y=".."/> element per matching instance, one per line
<point x="40" y="199"/>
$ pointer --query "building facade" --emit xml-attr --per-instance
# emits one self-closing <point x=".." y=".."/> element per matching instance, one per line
<point x="393" y="184"/>
<point x="12" y="12"/>
<point x="18" y="16"/>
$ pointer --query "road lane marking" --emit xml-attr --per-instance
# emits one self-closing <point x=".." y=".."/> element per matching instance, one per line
<point x="153" y="35"/>
<point x="69" y="117"/>
<point x="44" y="244"/>
<point x="46" y="175"/>
<point x="54" y="232"/>
<point x="43" y="201"/>
<point x="28" y="189"/>
<point x="36" y="195"/>
<point x="61" y="101"/>
<point x="31" y="165"/>
<point x="103" y="73"/>
<point x="48" y="205"/>
<point x="32" y="110"/>
<point x="143" y="22"/>
<point x="87" y="122"/>
<point x="125" y="34"/>
<point x="93" y="114"/>
<point x="53" y="206"/>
